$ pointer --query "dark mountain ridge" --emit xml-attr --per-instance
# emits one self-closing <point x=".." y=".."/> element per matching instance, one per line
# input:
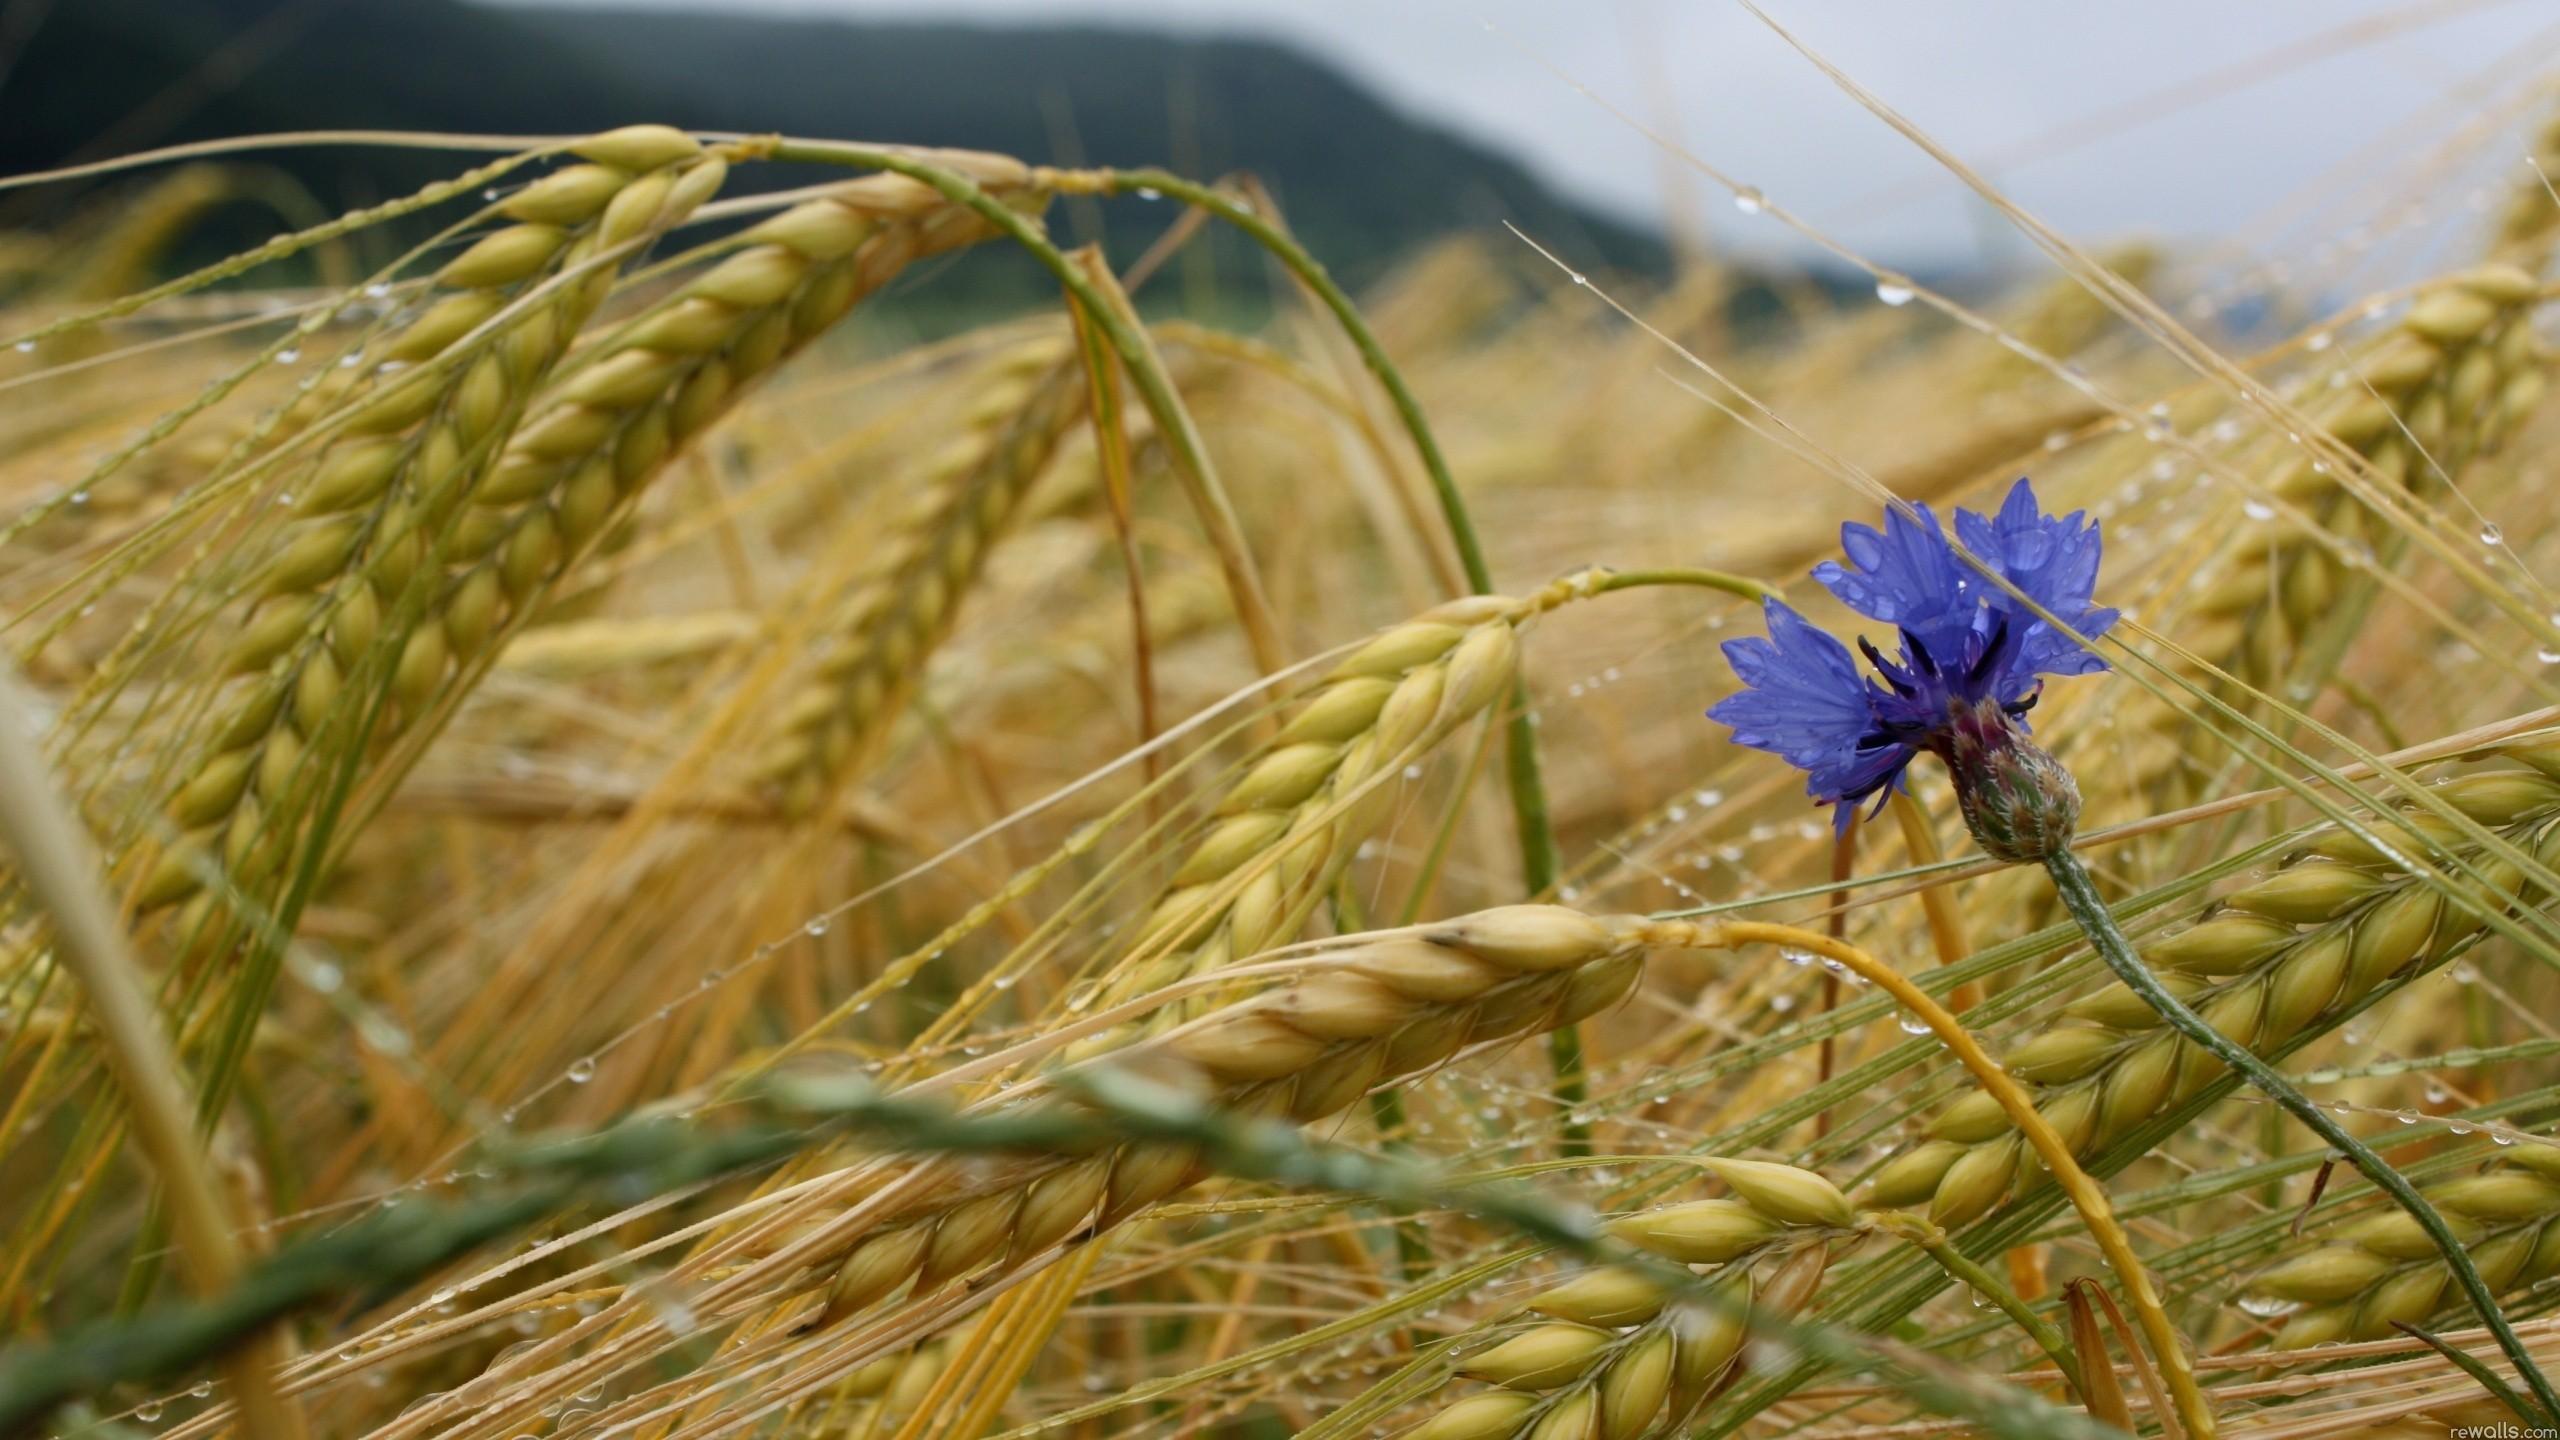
<point x="1362" y="183"/>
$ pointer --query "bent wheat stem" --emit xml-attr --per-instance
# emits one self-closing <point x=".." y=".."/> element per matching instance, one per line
<point x="2085" y="1194"/>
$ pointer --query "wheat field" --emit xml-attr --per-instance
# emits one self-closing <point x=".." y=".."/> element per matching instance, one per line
<point x="596" y="849"/>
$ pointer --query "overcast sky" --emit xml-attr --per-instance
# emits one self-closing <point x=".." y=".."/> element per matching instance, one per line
<point x="2191" y="120"/>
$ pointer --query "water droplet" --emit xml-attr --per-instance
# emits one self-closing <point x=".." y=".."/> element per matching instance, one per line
<point x="2492" y="535"/>
<point x="1912" y="1025"/>
<point x="816" y="928"/>
<point x="25" y="347"/>
<point x="1149" y="192"/>
<point x="323" y="977"/>
<point x="288" y="355"/>
<point x="2320" y="340"/>
<point x="1578" y="277"/>
<point x="1749" y="200"/>
<point x="2548" y="655"/>
<point x="1894" y="290"/>
<point x="147" y="1412"/>
<point x="2498" y="1138"/>
<point x="385" y="1037"/>
<point x="2257" y="510"/>
<point x="2267" y="1307"/>
<point x="2056" y="439"/>
<point x="582" y="1070"/>
<point x="1798" y="958"/>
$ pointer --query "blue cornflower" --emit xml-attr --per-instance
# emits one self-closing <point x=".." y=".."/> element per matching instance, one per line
<point x="1970" y="665"/>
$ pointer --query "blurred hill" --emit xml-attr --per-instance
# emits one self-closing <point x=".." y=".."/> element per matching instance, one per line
<point x="1362" y="184"/>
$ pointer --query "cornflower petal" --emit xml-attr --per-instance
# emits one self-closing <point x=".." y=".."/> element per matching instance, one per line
<point x="1971" y="659"/>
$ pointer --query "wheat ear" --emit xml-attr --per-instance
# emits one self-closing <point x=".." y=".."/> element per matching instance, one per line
<point x="1282" y="831"/>
<point x="2374" y="1274"/>
<point x="872" y="648"/>
<point x="606" y="431"/>
<point x="1611" y="1354"/>
<point x="1384" y="1007"/>
<point x="2273" y="960"/>
<point x="369" y="512"/>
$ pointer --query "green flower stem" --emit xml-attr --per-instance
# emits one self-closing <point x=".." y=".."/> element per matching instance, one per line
<point x="2080" y="896"/>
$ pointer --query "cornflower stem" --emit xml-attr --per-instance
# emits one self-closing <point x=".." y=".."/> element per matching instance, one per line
<point x="1931" y="1241"/>
<point x="2084" y="1193"/>
<point x="2089" y="909"/>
